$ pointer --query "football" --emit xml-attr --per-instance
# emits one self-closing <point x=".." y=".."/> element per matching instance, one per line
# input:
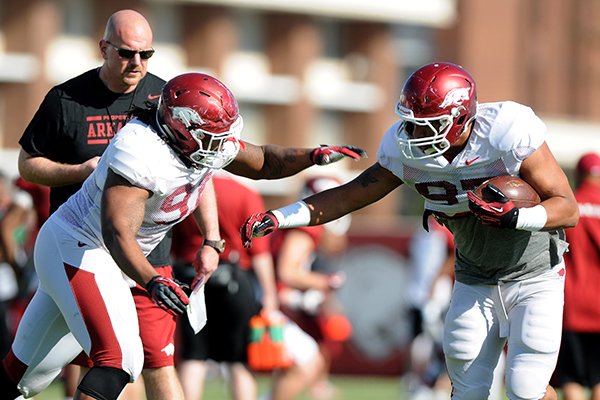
<point x="513" y="187"/>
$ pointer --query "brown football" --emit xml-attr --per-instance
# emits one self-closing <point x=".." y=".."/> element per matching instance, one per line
<point x="515" y="188"/>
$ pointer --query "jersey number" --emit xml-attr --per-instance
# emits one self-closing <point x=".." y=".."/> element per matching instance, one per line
<point x="178" y="201"/>
<point x="444" y="191"/>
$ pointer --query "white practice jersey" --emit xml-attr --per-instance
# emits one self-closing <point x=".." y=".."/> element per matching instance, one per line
<point x="504" y="134"/>
<point x="139" y="155"/>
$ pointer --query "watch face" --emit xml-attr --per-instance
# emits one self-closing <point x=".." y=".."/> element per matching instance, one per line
<point x="218" y="245"/>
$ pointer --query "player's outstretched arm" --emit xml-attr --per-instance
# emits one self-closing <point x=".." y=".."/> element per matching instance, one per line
<point x="370" y="186"/>
<point x="275" y="162"/>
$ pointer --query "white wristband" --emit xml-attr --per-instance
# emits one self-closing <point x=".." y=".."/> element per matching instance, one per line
<point x="296" y="214"/>
<point x="532" y="218"/>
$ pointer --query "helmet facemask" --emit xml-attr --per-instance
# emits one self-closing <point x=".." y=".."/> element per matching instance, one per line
<point x="428" y="146"/>
<point x="216" y="150"/>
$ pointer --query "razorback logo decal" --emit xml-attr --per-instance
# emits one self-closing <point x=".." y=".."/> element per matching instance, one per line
<point x="455" y="97"/>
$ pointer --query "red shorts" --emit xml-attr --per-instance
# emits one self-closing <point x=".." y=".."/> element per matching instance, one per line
<point x="157" y="329"/>
<point x="157" y="326"/>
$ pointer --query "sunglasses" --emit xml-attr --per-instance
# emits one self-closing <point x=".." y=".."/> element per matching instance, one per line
<point x="129" y="54"/>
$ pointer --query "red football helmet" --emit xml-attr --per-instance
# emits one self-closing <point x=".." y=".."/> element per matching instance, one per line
<point x="201" y="120"/>
<point x="441" y="96"/>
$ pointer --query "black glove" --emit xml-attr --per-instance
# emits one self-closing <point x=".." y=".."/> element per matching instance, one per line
<point x="184" y="286"/>
<point x="329" y="154"/>
<point x="500" y="211"/>
<point x="258" y="225"/>
<point x="167" y="294"/>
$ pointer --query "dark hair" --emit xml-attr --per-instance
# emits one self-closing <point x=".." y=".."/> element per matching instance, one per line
<point x="146" y="114"/>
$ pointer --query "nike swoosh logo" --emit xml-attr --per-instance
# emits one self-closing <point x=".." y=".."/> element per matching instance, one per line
<point x="469" y="162"/>
<point x="81" y="244"/>
<point x="153" y="96"/>
<point x="498" y="210"/>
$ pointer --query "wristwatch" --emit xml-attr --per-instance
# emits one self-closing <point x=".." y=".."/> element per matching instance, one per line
<point x="218" y="245"/>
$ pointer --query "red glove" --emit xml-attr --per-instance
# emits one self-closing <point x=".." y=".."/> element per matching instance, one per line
<point x="329" y="154"/>
<point x="258" y="225"/>
<point x="167" y="294"/>
<point x="500" y="211"/>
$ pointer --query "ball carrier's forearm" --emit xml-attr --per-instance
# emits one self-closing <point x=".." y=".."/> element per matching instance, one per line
<point x="314" y="210"/>
<point x="370" y="186"/>
<point x="317" y="211"/>
<point x="334" y="203"/>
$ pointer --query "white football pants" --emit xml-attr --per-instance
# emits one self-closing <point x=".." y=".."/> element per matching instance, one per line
<point x="482" y="319"/>
<point x="83" y="302"/>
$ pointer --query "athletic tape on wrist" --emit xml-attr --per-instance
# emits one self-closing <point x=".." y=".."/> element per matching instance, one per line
<point x="532" y="218"/>
<point x="293" y="215"/>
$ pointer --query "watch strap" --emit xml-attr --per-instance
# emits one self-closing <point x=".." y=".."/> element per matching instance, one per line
<point x="218" y="245"/>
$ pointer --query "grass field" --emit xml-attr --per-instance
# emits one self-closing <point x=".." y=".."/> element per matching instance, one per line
<point x="349" y="388"/>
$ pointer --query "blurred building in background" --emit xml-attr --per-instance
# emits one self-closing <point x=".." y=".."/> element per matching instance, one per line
<point x="323" y="71"/>
<point x="308" y="72"/>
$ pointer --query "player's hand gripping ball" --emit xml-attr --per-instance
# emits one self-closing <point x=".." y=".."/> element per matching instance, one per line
<point x="497" y="200"/>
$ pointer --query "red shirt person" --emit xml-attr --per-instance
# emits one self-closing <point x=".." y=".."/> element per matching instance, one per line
<point x="231" y="298"/>
<point x="582" y="309"/>
<point x="579" y="358"/>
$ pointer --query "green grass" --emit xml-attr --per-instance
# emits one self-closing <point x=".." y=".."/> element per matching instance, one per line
<point x="349" y="388"/>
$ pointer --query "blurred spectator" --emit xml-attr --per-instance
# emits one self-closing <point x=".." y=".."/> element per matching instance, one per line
<point x="16" y="222"/>
<point x="578" y="365"/>
<point x="40" y="197"/>
<point x="230" y="293"/>
<point x="306" y="295"/>
<point x="431" y="276"/>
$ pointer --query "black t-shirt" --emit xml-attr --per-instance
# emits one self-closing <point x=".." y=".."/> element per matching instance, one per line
<point x="77" y="120"/>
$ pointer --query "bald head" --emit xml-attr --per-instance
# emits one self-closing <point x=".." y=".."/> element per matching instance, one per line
<point x="126" y="30"/>
<point x="128" y="26"/>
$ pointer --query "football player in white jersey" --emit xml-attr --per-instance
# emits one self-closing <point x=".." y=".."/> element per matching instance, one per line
<point x="509" y="268"/>
<point x="93" y="247"/>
